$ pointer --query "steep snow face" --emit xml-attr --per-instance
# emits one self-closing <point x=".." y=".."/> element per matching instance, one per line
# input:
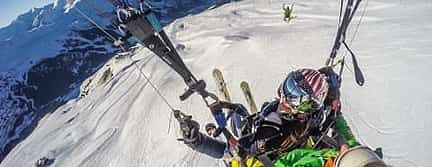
<point x="47" y="52"/>
<point x="20" y="116"/>
<point x="122" y="122"/>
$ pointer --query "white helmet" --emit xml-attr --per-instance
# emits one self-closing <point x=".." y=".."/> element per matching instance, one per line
<point x="360" y="156"/>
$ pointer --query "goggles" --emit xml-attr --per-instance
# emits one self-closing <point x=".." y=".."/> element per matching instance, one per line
<point x="297" y="93"/>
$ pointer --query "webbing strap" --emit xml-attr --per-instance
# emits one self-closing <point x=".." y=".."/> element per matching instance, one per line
<point x="267" y="162"/>
<point x="341" y="32"/>
<point x="152" y="35"/>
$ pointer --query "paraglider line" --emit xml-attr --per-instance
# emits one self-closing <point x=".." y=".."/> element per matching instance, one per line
<point x="136" y="66"/>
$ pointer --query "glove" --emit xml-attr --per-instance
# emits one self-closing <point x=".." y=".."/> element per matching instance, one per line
<point x="190" y="131"/>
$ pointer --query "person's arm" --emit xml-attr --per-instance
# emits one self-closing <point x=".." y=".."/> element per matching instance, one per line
<point x="238" y="114"/>
<point x="209" y="146"/>
<point x="345" y="135"/>
<point x="235" y="107"/>
<point x="201" y="142"/>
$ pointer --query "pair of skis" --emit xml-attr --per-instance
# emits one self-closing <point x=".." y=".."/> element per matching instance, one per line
<point x="222" y="89"/>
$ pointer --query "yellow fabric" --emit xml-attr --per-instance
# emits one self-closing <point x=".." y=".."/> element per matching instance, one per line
<point x="250" y="162"/>
<point x="309" y="143"/>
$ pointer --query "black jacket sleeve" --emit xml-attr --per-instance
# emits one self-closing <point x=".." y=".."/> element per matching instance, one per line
<point x="209" y="146"/>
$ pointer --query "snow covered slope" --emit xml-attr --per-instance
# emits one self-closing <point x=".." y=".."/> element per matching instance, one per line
<point x="122" y="122"/>
<point x="47" y="52"/>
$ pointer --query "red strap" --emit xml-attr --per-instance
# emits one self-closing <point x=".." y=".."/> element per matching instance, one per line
<point x="336" y="105"/>
<point x="232" y="141"/>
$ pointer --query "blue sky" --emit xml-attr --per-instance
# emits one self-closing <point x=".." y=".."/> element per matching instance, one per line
<point x="10" y="9"/>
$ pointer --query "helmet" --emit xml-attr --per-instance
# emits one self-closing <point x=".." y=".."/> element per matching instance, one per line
<point x="304" y="89"/>
<point x="210" y="126"/>
<point x="359" y="156"/>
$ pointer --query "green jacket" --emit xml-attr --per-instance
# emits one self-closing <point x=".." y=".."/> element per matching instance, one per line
<point x="305" y="158"/>
<point x="342" y="128"/>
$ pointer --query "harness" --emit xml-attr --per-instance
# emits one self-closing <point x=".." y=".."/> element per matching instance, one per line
<point x="270" y="133"/>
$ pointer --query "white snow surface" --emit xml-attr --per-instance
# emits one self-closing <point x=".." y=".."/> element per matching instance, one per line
<point x="123" y="122"/>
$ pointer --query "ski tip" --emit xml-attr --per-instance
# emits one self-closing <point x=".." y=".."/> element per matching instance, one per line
<point x="244" y="84"/>
<point x="217" y="71"/>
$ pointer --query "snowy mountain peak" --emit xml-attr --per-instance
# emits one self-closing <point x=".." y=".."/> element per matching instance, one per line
<point x="40" y="20"/>
<point x="60" y="3"/>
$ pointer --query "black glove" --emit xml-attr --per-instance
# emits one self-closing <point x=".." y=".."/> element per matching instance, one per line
<point x="190" y="131"/>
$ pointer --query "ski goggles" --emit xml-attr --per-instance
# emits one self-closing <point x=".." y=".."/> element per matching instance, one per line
<point x="297" y="93"/>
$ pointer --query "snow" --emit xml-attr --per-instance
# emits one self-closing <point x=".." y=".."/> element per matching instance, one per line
<point x="14" y="112"/>
<point x="122" y="122"/>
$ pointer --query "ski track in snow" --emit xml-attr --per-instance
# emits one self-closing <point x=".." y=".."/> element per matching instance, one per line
<point x="122" y="122"/>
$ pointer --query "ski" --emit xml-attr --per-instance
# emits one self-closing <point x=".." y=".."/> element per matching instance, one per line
<point x="223" y="91"/>
<point x="248" y="96"/>
<point x="221" y="84"/>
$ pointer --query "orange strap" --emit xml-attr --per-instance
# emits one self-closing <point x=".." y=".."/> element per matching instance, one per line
<point x="329" y="162"/>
